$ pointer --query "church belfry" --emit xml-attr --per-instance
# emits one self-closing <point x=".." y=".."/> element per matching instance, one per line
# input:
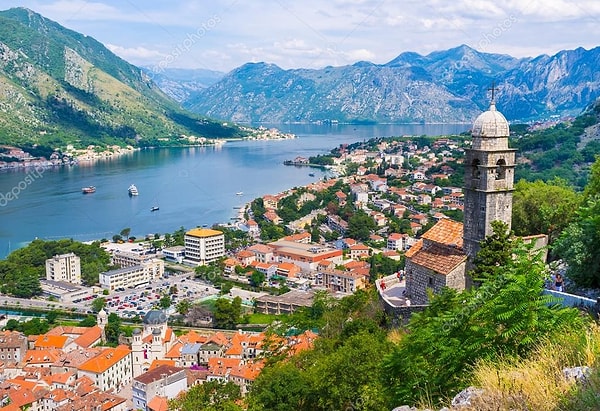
<point x="489" y="178"/>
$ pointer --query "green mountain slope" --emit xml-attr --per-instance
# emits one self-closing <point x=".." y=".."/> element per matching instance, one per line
<point x="58" y="86"/>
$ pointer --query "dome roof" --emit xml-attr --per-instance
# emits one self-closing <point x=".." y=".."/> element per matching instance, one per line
<point x="156" y="331"/>
<point x="136" y="331"/>
<point x="491" y="124"/>
<point x="155" y="317"/>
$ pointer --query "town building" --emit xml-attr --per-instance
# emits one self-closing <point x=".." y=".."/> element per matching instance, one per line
<point x="165" y="381"/>
<point x="110" y="370"/>
<point x="203" y="246"/>
<point x="341" y="281"/>
<point x="175" y="254"/>
<point x="286" y="303"/>
<point x="133" y="276"/>
<point x="305" y="256"/>
<point x="65" y="268"/>
<point x="13" y="346"/>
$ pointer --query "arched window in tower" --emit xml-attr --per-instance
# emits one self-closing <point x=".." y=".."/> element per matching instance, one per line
<point x="475" y="172"/>
<point x="500" y="169"/>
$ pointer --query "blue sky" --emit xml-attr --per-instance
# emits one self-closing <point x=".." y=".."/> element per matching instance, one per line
<point x="224" y="34"/>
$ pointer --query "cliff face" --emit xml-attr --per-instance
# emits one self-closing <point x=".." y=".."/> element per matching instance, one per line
<point x="444" y="86"/>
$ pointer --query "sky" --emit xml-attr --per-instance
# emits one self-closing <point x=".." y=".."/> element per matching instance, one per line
<point x="224" y="34"/>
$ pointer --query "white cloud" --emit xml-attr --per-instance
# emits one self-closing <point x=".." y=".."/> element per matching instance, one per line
<point x="314" y="33"/>
<point x="135" y="54"/>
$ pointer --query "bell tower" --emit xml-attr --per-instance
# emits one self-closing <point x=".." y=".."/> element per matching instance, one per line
<point x="489" y="178"/>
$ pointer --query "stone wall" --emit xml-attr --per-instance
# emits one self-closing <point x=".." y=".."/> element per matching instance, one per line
<point x="419" y="279"/>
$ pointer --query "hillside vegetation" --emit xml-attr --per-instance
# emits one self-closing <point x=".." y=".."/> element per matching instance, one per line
<point x="58" y="86"/>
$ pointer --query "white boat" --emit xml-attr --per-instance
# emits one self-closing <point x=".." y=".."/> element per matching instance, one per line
<point x="155" y="208"/>
<point x="239" y="193"/>
<point x="133" y="191"/>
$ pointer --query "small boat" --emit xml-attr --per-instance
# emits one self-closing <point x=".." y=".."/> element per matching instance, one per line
<point x="88" y="190"/>
<point x="239" y="193"/>
<point x="311" y="174"/>
<point x="133" y="191"/>
<point x="155" y="208"/>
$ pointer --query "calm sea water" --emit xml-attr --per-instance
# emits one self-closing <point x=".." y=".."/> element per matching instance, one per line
<point x="191" y="186"/>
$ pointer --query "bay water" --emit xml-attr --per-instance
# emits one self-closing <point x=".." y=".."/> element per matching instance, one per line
<point x="191" y="187"/>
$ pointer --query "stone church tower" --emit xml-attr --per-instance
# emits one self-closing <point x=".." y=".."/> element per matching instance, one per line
<point x="489" y="179"/>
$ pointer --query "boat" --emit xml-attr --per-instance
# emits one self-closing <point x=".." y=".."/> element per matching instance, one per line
<point x="88" y="190"/>
<point x="155" y="208"/>
<point x="133" y="191"/>
<point x="239" y="193"/>
<point x="311" y="174"/>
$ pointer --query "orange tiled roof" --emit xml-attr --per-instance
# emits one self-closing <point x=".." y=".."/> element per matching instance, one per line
<point x="168" y="334"/>
<point x="218" y="338"/>
<point x="91" y="336"/>
<point x="41" y="356"/>
<point x="235" y="350"/>
<point x="414" y="249"/>
<point x="175" y="351"/>
<point x="193" y="337"/>
<point x="158" y="363"/>
<point x="220" y="366"/>
<point x="51" y="341"/>
<point x="158" y="404"/>
<point x="446" y="232"/>
<point x="439" y="258"/>
<point x="108" y="358"/>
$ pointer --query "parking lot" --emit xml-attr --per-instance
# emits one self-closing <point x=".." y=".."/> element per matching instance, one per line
<point x="128" y="303"/>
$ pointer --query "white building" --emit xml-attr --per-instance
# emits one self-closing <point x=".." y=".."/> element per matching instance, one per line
<point x="65" y="268"/>
<point x="146" y="272"/>
<point x="165" y="381"/>
<point x="175" y="253"/>
<point x="203" y="246"/>
<point x="110" y="370"/>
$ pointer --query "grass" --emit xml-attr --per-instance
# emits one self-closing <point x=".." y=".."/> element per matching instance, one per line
<point x="537" y="382"/>
<point x="258" y="318"/>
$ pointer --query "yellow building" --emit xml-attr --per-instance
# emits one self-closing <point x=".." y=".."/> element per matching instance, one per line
<point x="203" y="246"/>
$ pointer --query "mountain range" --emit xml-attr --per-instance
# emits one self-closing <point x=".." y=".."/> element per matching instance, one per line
<point x="58" y="86"/>
<point x="443" y="86"/>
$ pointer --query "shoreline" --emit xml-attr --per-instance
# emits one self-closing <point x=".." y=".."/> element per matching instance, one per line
<point x="88" y="156"/>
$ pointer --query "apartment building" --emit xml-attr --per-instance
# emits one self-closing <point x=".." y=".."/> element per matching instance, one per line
<point x="203" y="246"/>
<point x="64" y="268"/>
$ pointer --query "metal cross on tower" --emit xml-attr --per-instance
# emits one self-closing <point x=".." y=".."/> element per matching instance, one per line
<point x="493" y="89"/>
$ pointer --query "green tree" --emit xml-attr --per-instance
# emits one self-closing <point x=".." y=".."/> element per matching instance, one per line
<point x="210" y="396"/>
<point x="88" y="321"/>
<point x="183" y="307"/>
<point x="257" y="278"/>
<point x="52" y="316"/>
<point x="579" y="245"/>
<point x="494" y="253"/>
<point x="165" y="301"/>
<point x="281" y="387"/>
<point x="125" y="232"/>
<point x="360" y="226"/>
<point x="227" y="313"/>
<point x="113" y="329"/>
<point x="98" y="304"/>
<point x="506" y="316"/>
<point x="543" y="207"/>
<point x="344" y="382"/>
